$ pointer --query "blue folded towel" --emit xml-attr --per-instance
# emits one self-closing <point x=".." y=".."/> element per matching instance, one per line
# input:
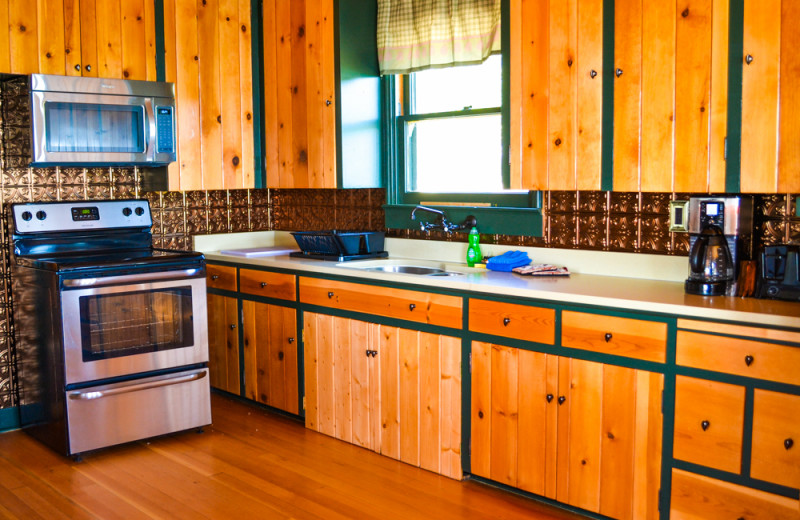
<point x="508" y="261"/>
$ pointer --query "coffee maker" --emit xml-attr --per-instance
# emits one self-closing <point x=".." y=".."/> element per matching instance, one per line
<point x="720" y="234"/>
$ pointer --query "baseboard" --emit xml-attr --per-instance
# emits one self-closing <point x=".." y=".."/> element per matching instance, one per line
<point x="9" y="419"/>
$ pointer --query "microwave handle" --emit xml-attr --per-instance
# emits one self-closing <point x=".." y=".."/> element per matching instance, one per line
<point x="149" y="129"/>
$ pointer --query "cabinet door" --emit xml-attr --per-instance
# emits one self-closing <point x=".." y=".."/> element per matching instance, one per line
<point x="270" y="354"/>
<point x="776" y="438"/>
<point x="223" y="343"/>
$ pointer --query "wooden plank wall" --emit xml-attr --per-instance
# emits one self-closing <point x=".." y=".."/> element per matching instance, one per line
<point x="208" y="54"/>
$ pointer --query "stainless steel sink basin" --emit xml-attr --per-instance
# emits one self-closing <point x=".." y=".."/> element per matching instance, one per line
<point x="412" y="269"/>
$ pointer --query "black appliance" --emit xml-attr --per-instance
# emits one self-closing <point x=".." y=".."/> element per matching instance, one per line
<point x="779" y="273"/>
<point x="111" y="336"/>
<point x="339" y="246"/>
<point x="720" y="234"/>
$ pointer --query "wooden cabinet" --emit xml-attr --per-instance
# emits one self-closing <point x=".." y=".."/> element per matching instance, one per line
<point x="392" y="390"/>
<point x="628" y="337"/>
<point x="776" y="435"/>
<point x="512" y="320"/>
<point x="223" y="343"/>
<point x="104" y="38"/>
<point x="560" y="427"/>
<point x="268" y="284"/>
<point x="320" y="134"/>
<point x="221" y="277"/>
<point x="270" y="355"/>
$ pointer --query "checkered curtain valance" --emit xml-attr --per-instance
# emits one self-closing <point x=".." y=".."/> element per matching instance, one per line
<point x="424" y="34"/>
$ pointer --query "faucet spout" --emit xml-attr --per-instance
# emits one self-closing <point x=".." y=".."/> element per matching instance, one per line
<point x="426" y="208"/>
<point x="442" y="222"/>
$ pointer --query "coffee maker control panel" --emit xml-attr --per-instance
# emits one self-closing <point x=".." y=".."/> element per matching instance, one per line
<point x="712" y="213"/>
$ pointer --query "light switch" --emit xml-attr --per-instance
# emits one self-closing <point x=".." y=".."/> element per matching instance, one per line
<point x="679" y="216"/>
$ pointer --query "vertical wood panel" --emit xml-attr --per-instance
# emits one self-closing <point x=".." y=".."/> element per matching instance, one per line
<point x="516" y="89"/>
<point x="719" y="95"/>
<point x="375" y="389"/>
<point x="216" y="343"/>
<point x="342" y="377"/>
<point x="251" y="372"/>
<point x="430" y="381"/>
<point x="505" y="413"/>
<point x="627" y="93"/>
<point x="188" y="95"/>
<point x="271" y="118"/>
<point x="760" y="83"/>
<point x="88" y="14"/>
<point x="451" y="407"/>
<point x="208" y="40"/>
<point x="288" y="321"/>
<point x="535" y="56"/>
<point x="299" y="149"/>
<point x="409" y="341"/>
<point x="230" y="100"/>
<point x="789" y="151"/>
<point x="481" y="431"/>
<point x="585" y="416"/>
<point x="273" y="341"/>
<point x="326" y="389"/>
<point x="329" y="92"/>
<point x="150" y="40"/>
<point x="532" y="426"/>
<point x="109" y="38"/>
<point x="360" y="383"/>
<point x="134" y="46"/>
<point x="247" y="157"/>
<point x="232" y="345"/>
<point x="22" y="31"/>
<point x="617" y="446"/>
<point x="647" y="445"/>
<point x="563" y="94"/>
<point x="311" y="343"/>
<point x="72" y="37"/>
<point x="561" y="469"/>
<point x="315" y="101"/>
<point x="171" y="75"/>
<point x="284" y="84"/>
<point x="555" y="447"/>
<point x="51" y="22"/>
<point x="5" y="41"/>
<point x="588" y="141"/>
<point x="658" y="96"/>
<point x="389" y="352"/>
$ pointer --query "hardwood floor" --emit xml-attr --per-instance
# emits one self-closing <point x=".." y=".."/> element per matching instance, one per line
<point x="250" y="464"/>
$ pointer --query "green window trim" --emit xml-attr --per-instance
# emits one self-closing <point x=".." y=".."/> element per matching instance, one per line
<point x="509" y="213"/>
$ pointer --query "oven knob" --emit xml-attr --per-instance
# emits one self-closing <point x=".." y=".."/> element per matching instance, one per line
<point x="41" y="215"/>
<point x="126" y="211"/>
<point x="139" y="211"/>
<point x="26" y="216"/>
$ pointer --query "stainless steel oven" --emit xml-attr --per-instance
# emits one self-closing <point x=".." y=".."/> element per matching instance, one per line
<point x="111" y="334"/>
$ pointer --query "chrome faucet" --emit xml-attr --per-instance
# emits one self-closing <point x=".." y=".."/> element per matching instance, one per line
<point x="442" y="222"/>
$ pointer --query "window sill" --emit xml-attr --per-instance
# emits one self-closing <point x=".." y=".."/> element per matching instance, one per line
<point x="491" y="220"/>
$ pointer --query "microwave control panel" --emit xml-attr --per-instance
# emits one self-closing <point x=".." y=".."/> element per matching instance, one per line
<point x="165" y="135"/>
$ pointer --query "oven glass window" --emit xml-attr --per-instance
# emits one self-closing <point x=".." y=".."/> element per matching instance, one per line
<point x="125" y="324"/>
<point x="88" y="127"/>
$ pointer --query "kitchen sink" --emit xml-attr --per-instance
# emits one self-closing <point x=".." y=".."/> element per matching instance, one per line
<point x="411" y="267"/>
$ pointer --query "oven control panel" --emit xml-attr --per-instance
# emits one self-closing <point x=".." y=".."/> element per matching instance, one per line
<point x="45" y="217"/>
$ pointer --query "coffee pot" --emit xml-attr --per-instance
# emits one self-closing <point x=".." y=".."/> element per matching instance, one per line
<point x="711" y="268"/>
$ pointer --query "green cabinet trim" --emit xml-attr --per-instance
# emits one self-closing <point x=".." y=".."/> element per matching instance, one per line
<point x="733" y="143"/>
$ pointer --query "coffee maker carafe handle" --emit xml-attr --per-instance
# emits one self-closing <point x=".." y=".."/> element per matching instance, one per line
<point x="698" y="254"/>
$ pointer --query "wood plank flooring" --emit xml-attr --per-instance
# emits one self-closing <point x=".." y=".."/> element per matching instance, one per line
<point x="250" y="464"/>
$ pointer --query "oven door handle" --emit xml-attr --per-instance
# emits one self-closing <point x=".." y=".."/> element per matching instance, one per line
<point x="97" y="394"/>
<point x="130" y="278"/>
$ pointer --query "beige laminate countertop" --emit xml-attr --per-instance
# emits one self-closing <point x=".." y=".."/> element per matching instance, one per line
<point x="591" y="289"/>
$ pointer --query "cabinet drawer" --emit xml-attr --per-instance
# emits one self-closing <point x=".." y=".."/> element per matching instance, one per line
<point x="627" y="337"/>
<point x="742" y="357"/>
<point x="776" y="438"/>
<point x="265" y="283"/>
<point x="221" y="277"/>
<point x="697" y="497"/>
<point x="513" y="321"/>
<point x="421" y="307"/>
<point x="709" y="419"/>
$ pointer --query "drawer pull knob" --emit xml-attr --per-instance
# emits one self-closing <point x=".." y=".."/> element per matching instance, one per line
<point x="788" y="443"/>
<point x="233" y="326"/>
<point x="330" y="294"/>
<point x="561" y="399"/>
<point x="549" y="397"/>
<point x="593" y="74"/>
<point x="411" y="306"/>
<point x="280" y="356"/>
<point x="704" y="425"/>
<point x="263" y="284"/>
<point x="480" y="414"/>
<point x="506" y="321"/>
<point x="608" y="337"/>
<point x="748" y="59"/>
<point x="290" y="340"/>
<point x="374" y="353"/>
<point x="618" y="72"/>
<point x="214" y="276"/>
<point x="748" y="360"/>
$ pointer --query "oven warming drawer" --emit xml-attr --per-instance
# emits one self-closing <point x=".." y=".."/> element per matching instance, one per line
<point x="113" y="414"/>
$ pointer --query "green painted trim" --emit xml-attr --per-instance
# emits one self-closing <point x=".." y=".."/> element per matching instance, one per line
<point x="733" y="165"/>
<point x="9" y="419"/>
<point x="607" y="143"/>
<point x="797" y="207"/>
<point x="738" y="479"/>
<point x="466" y="393"/>
<point x="382" y="320"/>
<point x="747" y="433"/>
<point x="257" y="60"/>
<point x="240" y="331"/>
<point x="301" y="358"/>
<point x="738" y="380"/>
<point x="506" y="221"/>
<point x="505" y="96"/>
<point x="161" y="67"/>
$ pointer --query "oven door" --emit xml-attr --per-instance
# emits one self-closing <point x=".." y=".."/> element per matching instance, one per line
<point x="122" y="325"/>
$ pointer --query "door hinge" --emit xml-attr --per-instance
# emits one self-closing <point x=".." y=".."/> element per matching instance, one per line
<point x="304" y="402"/>
<point x="662" y="402"/>
<point x="725" y="148"/>
<point x="470" y="362"/>
<point x="659" y="500"/>
<point x="303" y="336"/>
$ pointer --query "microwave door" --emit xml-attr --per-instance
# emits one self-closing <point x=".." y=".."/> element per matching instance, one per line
<point x="89" y="128"/>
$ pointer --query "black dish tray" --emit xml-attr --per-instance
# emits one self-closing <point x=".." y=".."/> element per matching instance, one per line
<point x="339" y="243"/>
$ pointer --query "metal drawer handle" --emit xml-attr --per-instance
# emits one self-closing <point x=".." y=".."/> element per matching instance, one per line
<point x="506" y="321"/>
<point x="291" y="340"/>
<point x="549" y="397"/>
<point x="704" y="425"/>
<point x="263" y="284"/>
<point x="561" y="399"/>
<point x="618" y="72"/>
<point x="214" y="276"/>
<point x="749" y="59"/>
<point x="593" y="74"/>
<point x="97" y="394"/>
<point x="748" y="360"/>
<point x="411" y="306"/>
<point x="233" y="326"/>
<point x="788" y="443"/>
<point x="608" y="337"/>
<point x="330" y="294"/>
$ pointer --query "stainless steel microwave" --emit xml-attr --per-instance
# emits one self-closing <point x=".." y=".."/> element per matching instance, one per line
<point x="97" y="121"/>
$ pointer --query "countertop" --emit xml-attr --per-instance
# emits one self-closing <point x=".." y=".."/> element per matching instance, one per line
<point x="635" y="294"/>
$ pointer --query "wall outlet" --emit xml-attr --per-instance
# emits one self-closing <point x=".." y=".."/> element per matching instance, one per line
<point x="679" y="216"/>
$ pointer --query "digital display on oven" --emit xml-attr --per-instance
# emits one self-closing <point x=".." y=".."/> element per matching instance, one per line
<point x="88" y="213"/>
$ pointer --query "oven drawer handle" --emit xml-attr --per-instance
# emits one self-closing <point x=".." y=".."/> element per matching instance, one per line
<point x="86" y="396"/>
<point x="130" y="278"/>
